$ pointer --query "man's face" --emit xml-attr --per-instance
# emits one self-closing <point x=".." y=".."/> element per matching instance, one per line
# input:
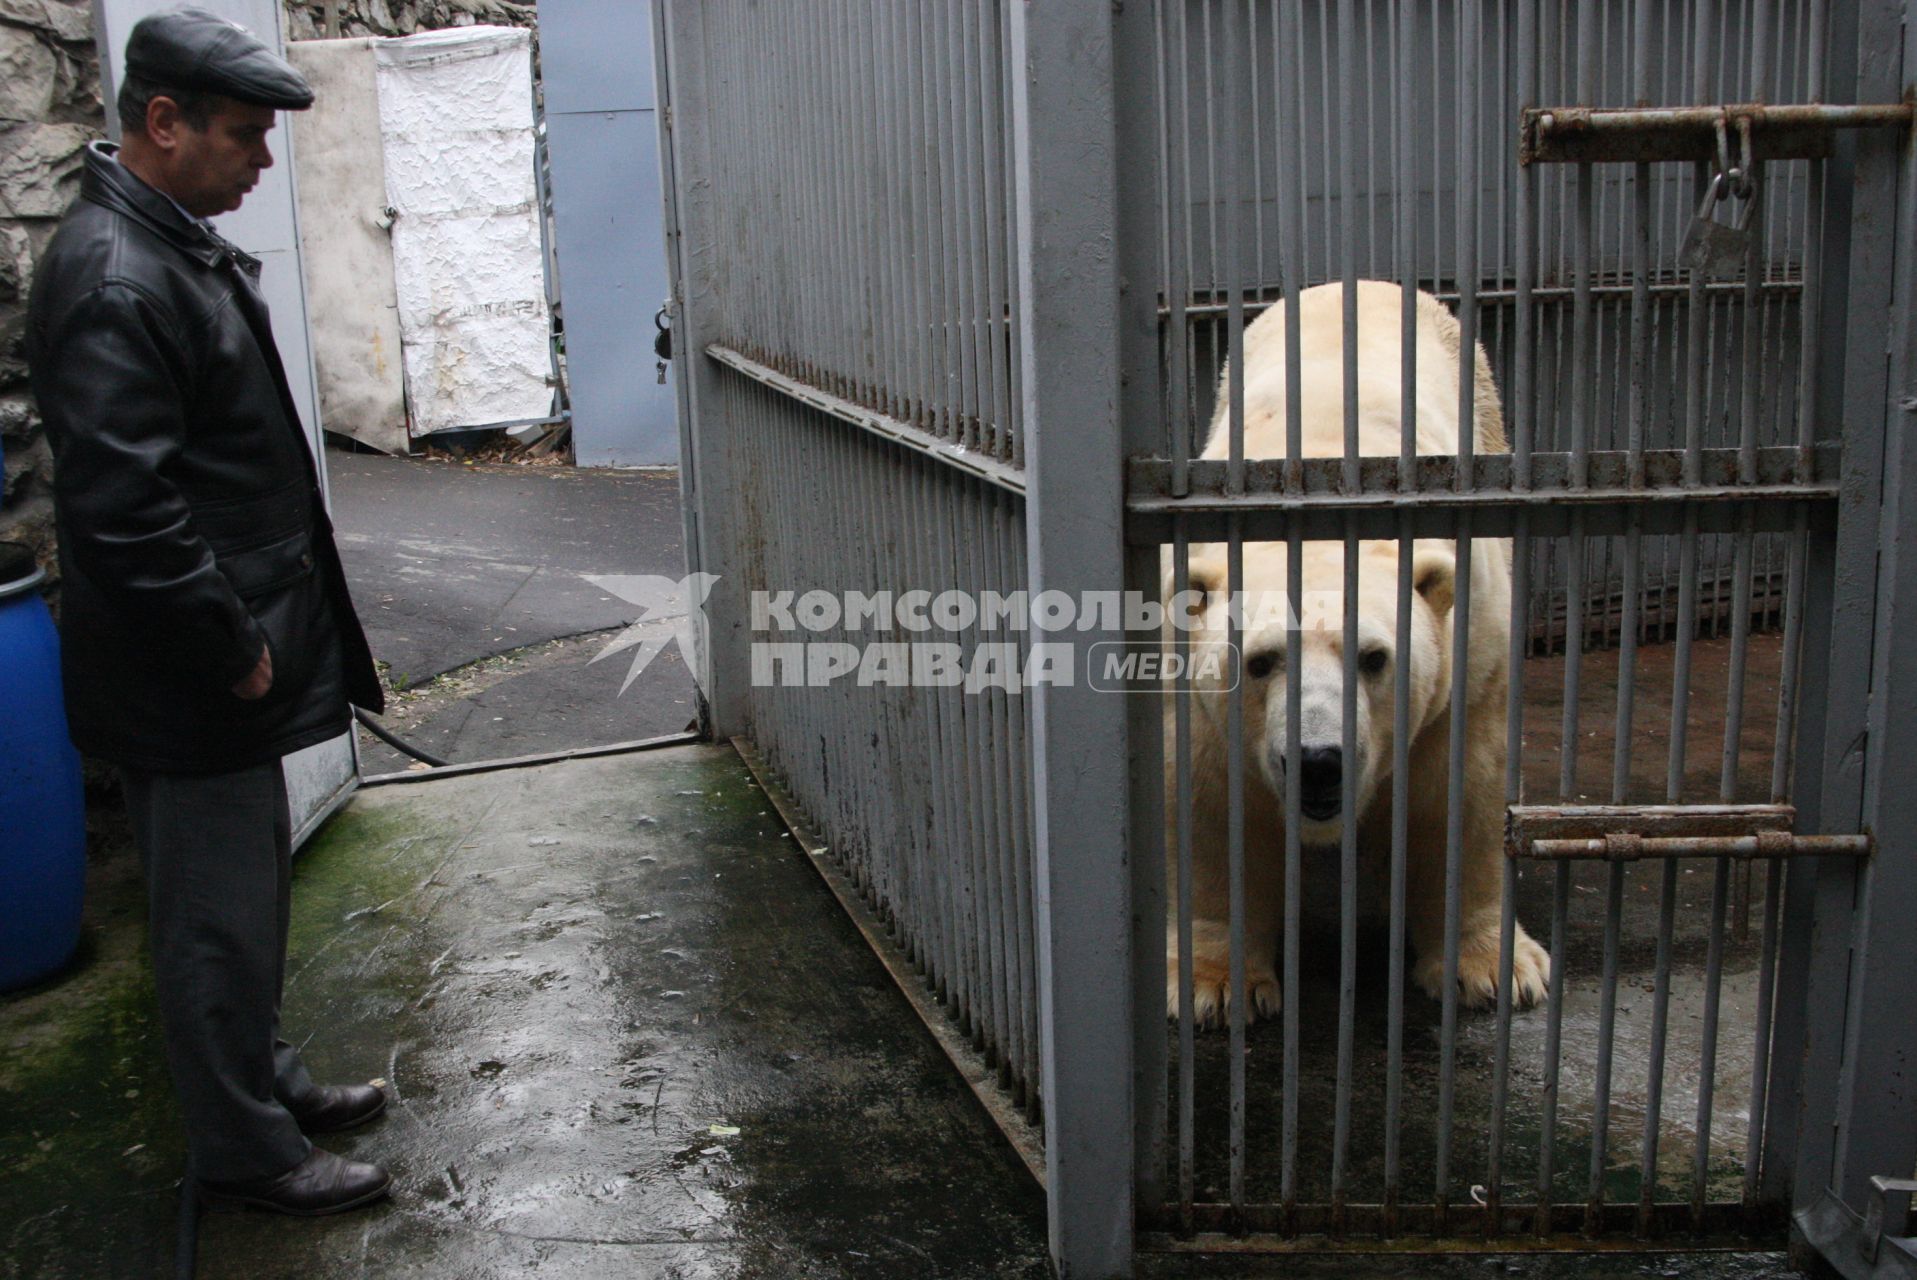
<point x="212" y="169"/>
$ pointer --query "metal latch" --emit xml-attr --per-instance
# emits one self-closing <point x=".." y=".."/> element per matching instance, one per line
<point x="1872" y="1239"/>
<point x="1859" y="1248"/>
<point x="1580" y="135"/>
<point x="1629" y="833"/>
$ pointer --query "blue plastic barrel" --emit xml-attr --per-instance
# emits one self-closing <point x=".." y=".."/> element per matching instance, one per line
<point x="42" y="813"/>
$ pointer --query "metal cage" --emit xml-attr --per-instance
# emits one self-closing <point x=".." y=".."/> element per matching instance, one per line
<point x="1016" y="332"/>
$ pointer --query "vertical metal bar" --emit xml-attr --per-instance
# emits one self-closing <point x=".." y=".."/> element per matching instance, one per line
<point x="1660" y="1031"/>
<point x="1294" y="857"/>
<point x="1348" y="239"/>
<point x="1508" y="901"/>
<point x="1011" y="527"/>
<point x="1607" y="1039"/>
<point x="1066" y="185"/>
<point x="1347" y="864"/>
<point x="965" y="116"/>
<point x="1404" y="53"/>
<point x="1348" y="711"/>
<point x="1011" y="771"/>
<point x="992" y="129"/>
<point x="1175" y="202"/>
<point x="1761" y="1055"/>
<point x="1553" y="1050"/>
<point x="1707" y="1055"/>
<point x="951" y="394"/>
<point x="1227" y="192"/>
<point x="1524" y="424"/>
<point x="1466" y="480"/>
<point x="1643" y="265"/>
<point x="1141" y="235"/>
<point x="893" y="194"/>
<point x="1182" y="733"/>
<point x="1236" y="1014"/>
<point x="1292" y="212"/>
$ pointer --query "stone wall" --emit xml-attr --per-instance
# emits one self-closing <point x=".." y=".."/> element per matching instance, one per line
<point x="309" y="19"/>
<point x="49" y="110"/>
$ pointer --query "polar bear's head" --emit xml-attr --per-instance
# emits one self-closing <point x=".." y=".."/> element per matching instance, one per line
<point x="1264" y="610"/>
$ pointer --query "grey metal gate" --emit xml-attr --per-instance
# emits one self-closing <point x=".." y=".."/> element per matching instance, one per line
<point x="955" y="284"/>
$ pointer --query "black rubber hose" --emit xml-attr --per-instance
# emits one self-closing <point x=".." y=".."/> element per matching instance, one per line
<point x="386" y="736"/>
<point x="186" y="1245"/>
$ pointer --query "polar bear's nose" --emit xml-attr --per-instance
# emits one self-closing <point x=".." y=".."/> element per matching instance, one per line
<point x="1321" y="780"/>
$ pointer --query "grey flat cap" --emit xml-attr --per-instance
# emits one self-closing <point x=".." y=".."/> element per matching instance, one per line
<point x="188" y="48"/>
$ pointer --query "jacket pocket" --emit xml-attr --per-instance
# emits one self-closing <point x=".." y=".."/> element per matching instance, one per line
<point x="255" y="571"/>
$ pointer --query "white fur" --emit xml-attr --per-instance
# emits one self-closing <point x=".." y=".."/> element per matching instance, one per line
<point x="1430" y="657"/>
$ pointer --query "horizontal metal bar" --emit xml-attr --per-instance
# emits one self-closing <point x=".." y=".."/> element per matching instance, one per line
<point x="989" y="469"/>
<point x="1641" y="134"/>
<point x="1786" y="287"/>
<point x="1625" y="847"/>
<point x="1436" y="480"/>
<point x="1607" y="502"/>
<point x="1545" y="515"/>
<point x="1264" y="1228"/>
<point x="1523" y="823"/>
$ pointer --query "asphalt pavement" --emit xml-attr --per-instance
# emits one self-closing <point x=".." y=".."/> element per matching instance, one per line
<point x="474" y="583"/>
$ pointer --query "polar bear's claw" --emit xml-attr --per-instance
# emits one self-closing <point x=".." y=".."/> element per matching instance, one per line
<point x="1478" y="972"/>
<point x="1211" y="994"/>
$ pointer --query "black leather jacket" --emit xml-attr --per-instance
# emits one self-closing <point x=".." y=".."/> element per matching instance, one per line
<point x="187" y="504"/>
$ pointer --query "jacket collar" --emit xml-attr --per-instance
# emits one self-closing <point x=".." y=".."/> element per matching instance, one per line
<point x="109" y="184"/>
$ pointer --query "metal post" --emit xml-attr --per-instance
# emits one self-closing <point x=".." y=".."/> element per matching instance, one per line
<point x="696" y="263"/>
<point x="1141" y="409"/>
<point x="1064" y="166"/>
<point x="1875" y="1128"/>
<point x="1824" y="909"/>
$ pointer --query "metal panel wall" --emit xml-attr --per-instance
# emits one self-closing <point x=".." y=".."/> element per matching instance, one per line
<point x="846" y="263"/>
<point x="602" y="139"/>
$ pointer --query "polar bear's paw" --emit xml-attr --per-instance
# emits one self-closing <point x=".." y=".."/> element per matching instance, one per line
<point x="1211" y="992"/>
<point x="1478" y="972"/>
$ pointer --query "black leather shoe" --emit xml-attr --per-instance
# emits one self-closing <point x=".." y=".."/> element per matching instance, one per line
<point x="322" y="1183"/>
<point x="333" y="1107"/>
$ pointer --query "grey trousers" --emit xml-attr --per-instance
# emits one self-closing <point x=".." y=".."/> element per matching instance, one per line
<point x="218" y="853"/>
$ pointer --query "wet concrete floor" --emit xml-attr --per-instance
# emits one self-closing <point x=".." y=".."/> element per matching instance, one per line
<point x="627" y="1032"/>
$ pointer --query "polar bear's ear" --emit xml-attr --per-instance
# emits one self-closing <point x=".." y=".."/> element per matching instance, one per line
<point x="1207" y="581"/>
<point x="1435" y="574"/>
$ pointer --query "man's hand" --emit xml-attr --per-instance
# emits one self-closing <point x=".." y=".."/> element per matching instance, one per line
<point x="259" y="680"/>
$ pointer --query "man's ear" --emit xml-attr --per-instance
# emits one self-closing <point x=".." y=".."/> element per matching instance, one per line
<point x="1434" y="574"/>
<point x="163" y="122"/>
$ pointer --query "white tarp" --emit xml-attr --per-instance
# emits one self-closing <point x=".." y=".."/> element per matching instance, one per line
<point x="456" y="118"/>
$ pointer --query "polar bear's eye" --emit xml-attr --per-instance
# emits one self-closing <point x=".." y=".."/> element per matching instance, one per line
<point x="1373" y="661"/>
<point x="1261" y="665"/>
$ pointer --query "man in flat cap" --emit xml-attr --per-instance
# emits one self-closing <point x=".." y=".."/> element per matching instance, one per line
<point x="206" y="628"/>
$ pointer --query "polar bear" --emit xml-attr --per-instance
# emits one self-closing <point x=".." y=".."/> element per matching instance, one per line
<point x="1434" y="565"/>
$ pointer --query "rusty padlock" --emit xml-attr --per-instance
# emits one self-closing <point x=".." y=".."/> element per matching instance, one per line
<point x="1716" y="250"/>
